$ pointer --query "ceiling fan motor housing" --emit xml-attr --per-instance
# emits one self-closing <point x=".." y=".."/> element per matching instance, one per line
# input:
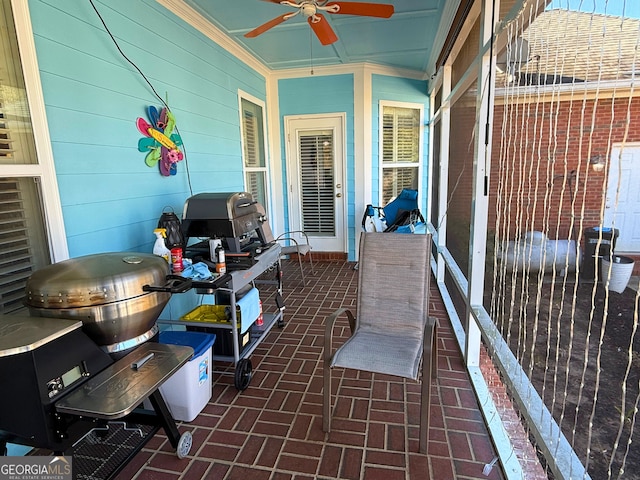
<point x="308" y="9"/>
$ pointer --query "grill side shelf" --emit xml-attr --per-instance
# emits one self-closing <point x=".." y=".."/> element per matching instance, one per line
<point x="119" y="389"/>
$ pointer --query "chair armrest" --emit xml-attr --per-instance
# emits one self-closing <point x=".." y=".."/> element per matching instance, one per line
<point x="282" y="238"/>
<point x="328" y="329"/>
<point x="289" y="236"/>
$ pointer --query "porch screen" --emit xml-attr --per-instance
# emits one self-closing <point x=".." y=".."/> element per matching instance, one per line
<point x="564" y="177"/>
<point x="317" y="181"/>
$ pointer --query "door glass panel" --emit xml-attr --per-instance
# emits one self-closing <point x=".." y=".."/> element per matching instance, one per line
<point x="317" y="180"/>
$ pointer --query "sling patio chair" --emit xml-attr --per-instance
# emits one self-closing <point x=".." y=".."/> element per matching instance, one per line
<point x="392" y="333"/>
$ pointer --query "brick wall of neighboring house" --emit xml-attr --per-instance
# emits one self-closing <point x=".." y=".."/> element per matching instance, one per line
<point x="538" y="146"/>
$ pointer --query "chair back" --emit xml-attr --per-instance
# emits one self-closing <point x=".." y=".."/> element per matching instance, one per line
<point x="393" y="282"/>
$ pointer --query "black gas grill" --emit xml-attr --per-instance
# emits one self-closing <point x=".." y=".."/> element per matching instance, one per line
<point x="235" y="218"/>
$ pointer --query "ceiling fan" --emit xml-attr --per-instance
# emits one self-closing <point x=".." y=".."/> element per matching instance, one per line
<point x="312" y="8"/>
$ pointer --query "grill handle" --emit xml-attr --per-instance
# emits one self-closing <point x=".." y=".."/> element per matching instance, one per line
<point x="218" y="282"/>
<point x="174" y="284"/>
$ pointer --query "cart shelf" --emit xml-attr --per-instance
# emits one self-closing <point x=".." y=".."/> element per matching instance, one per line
<point x="232" y="283"/>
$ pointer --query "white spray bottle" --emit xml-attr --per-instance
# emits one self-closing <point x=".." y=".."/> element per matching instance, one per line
<point x="159" y="248"/>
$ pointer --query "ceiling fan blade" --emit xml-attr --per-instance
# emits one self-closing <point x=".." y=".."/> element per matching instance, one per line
<point x="266" y="26"/>
<point x="381" y="10"/>
<point x="322" y="29"/>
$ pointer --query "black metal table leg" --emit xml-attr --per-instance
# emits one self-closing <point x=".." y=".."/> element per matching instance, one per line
<point x="164" y="416"/>
<point x="182" y="443"/>
<point x="279" y="299"/>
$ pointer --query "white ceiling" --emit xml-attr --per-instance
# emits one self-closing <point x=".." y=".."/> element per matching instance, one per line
<point x="410" y="39"/>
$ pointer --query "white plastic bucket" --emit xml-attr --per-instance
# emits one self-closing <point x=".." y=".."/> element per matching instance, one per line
<point x="621" y="270"/>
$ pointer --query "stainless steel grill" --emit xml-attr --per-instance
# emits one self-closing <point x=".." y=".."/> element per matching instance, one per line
<point x="85" y="354"/>
<point x="104" y="291"/>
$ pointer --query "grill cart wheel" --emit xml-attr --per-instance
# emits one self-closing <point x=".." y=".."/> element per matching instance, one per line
<point x="243" y="374"/>
<point x="184" y="445"/>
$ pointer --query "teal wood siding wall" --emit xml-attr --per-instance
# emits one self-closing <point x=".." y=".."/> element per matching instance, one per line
<point x="316" y="95"/>
<point x="111" y="200"/>
<point x="397" y="89"/>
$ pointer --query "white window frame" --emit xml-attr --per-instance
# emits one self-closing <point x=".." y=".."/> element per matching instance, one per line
<point x="267" y="177"/>
<point x="44" y="170"/>
<point x="419" y="163"/>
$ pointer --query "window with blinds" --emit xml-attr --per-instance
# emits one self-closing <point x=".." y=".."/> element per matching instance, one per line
<point x="400" y="149"/>
<point x="5" y="142"/>
<point x="24" y="245"/>
<point x="16" y="145"/>
<point x="22" y="237"/>
<point x="253" y="149"/>
<point x="317" y="179"/>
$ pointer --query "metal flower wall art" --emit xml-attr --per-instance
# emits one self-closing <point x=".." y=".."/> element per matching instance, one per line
<point x="159" y="141"/>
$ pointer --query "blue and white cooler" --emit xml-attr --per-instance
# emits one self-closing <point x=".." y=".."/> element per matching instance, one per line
<point x="188" y="391"/>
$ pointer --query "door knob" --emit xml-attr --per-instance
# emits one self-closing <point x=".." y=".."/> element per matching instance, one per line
<point x="338" y="195"/>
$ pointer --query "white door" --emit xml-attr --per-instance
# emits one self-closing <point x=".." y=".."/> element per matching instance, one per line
<point x="315" y="163"/>
<point x="623" y="212"/>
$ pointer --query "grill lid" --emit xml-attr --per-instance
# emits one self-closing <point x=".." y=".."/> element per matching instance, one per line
<point x="219" y="206"/>
<point x="220" y="215"/>
<point x="95" y="280"/>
